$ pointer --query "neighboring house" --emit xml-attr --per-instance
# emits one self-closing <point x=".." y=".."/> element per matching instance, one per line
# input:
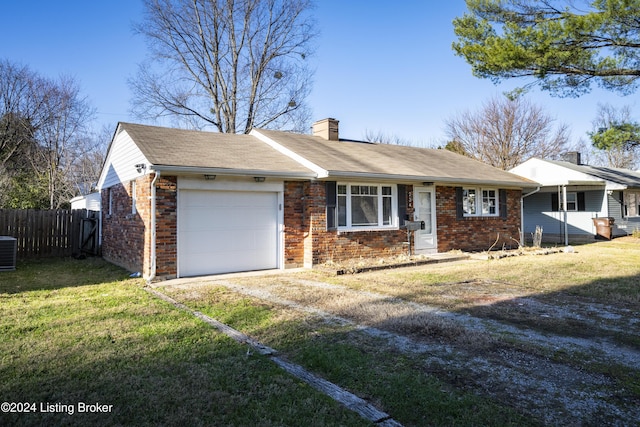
<point x="90" y="202"/>
<point x="572" y="195"/>
<point x="181" y="203"/>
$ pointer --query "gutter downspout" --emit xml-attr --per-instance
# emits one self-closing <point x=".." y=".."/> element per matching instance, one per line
<point x="522" y="213"/>
<point x="152" y="272"/>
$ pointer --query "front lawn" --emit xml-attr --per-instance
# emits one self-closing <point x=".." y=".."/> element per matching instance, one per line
<point x="76" y="333"/>
<point x="81" y="332"/>
<point x="536" y="339"/>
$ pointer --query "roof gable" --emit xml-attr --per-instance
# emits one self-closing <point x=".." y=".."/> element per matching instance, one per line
<point x="119" y="164"/>
<point x="189" y="149"/>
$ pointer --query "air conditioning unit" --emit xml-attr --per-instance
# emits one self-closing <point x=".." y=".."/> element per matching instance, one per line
<point x="8" y="253"/>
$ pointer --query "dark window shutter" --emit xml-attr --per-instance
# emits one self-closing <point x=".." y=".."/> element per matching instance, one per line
<point x="555" y="206"/>
<point x="502" y="198"/>
<point x="402" y="204"/>
<point x="581" y="202"/>
<point x="459" y="206"/>
<point x="332" y="199"/>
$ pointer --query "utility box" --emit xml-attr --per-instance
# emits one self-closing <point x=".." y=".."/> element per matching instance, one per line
<point x="604" y="227"/>
<point x="8" y="253"/>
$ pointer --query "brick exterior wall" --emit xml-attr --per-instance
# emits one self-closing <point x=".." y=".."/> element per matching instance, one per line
<point x="307" y="241"/>
<point x="126" y="236"/>
<point x="167" y="227"/>
<point x="294" y="224"/>
<point x="475" y="233"/>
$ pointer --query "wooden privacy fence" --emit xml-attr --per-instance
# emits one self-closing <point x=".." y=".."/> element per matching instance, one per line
<point x="51" y="233"/>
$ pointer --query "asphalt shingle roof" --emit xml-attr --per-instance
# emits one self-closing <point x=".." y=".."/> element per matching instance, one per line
<point x="197" y="149"/>
<point x="620" y="176"/>
<point x="189" y="148"/>
<point x="352" y="157"/>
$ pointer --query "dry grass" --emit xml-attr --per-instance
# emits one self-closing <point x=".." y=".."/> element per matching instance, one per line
<point x="600" y="270"/>
<point x="271" y="309"/>
<point x="592" y="291"/>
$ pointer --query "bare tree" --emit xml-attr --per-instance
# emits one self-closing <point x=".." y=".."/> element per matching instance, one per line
<point x="21" y="111"/>
<point x="61" y="138"/>
<point x="507" y="131"/>
<point x="384" y="138"/>
<point x="610" y="121"/>
<point x="231" y="64"/>
<point x="84" y="172"/>
<point x="43" y="123"/>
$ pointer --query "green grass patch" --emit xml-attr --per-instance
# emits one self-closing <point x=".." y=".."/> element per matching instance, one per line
<point x="80" y="331"/>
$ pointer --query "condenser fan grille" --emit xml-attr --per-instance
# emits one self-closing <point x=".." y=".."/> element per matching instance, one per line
<point x="8" y="251"/>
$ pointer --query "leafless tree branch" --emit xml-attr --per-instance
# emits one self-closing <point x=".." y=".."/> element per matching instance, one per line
<point x="507" y="131"/>
<point x="230" y="64"/>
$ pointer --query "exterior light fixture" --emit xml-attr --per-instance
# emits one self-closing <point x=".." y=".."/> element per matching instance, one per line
<point x="427" y="184"/>
<point x="259" y="178"/>
<point x="140" y="167"/>
<point x="209" y="177"/>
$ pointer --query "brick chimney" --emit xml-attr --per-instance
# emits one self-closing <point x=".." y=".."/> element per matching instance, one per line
<point x="572" y="157"/>
<point x="326" y="129"/>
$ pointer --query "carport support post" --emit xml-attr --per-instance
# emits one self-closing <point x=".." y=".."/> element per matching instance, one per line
<point x="564" y="211"/>
<point x="152" y="272"/>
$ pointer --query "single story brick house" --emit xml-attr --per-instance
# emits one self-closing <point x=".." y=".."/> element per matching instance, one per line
<point x="179" y="203"/>
<point x="572" y="194"/>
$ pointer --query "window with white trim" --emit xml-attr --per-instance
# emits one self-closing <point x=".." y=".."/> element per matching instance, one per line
<point x="480" y="201"/>
<point x="572" y="201"/>
<point x="576" y="201"/>
<point x="366" y="205"/>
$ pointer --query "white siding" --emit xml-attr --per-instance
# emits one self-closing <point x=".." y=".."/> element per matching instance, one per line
<point x="121" y="159"/>
<point x="547" y="173"/>
<point x="90" y="202"/>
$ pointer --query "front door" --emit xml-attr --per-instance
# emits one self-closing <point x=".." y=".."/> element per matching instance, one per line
<point x="424" y="203"/>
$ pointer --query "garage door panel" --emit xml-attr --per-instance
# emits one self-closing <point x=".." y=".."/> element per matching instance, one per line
<point x="223" y="231"/>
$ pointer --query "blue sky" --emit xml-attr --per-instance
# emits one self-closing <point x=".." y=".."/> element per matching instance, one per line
<point x="381" y="66"/>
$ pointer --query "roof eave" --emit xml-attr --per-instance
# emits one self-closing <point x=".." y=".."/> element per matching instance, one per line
<point x="193" y="170"/>
<point x="426" y="178"/>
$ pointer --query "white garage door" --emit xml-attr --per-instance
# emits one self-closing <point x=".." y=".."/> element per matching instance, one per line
<point x="225" y="231"/>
